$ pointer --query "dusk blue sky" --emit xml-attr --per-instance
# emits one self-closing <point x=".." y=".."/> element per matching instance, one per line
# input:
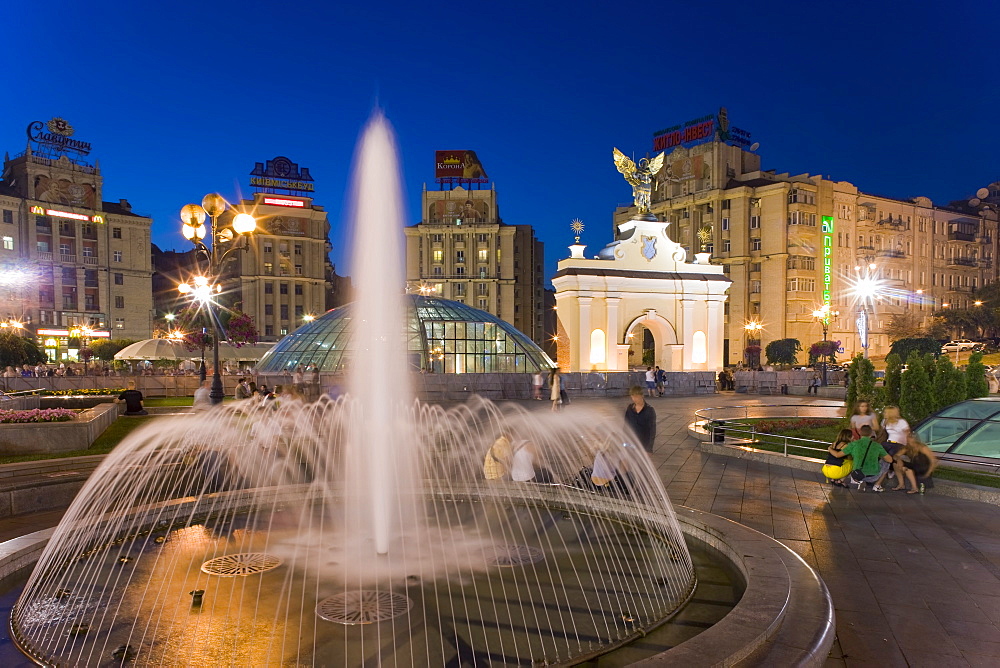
<point x="182" y="98"/>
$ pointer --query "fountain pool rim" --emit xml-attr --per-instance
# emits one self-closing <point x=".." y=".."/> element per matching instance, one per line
<point x="784" y="604"/>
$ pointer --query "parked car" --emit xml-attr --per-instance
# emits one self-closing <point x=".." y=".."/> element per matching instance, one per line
<point x="960" y="345"/>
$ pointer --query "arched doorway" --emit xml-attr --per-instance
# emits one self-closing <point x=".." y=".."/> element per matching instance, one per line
<point x="651" y="337"/>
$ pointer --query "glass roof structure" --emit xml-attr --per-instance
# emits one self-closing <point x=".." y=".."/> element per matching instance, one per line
<point x="442" y="336"/>
<point x="969" y="428"/>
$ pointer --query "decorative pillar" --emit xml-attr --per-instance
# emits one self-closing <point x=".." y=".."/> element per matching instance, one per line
<point x="687" y="327"/>
<point x="612" y="361"/>
<point x="583" y="359"/>
<point x="714" y="333"/>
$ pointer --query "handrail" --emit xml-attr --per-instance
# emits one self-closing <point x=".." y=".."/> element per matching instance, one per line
<point x="747" y="434"/>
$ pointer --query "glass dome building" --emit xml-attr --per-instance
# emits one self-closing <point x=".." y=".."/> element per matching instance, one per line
<point x="968" y="429"/>
<point x="442" y="336"/>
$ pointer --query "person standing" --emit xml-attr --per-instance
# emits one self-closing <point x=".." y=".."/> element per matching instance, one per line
<point x="555" y="385"/>
<point x="650" y="380"/>
<point x="537" y="382"/>
<point x="661" y="377"/>
<point x="641" y="419"/>
<point x="202" y="398"/>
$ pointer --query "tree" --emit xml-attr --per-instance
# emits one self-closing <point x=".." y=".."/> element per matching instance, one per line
<point x="948" y="384"/>
<point x="937" y="328"/>
<point x="893" y="371"/>
<point x="903" y="347"/>
<point x="862" y="383"/>
<point x="975" y="377"/>
<point x="905" y="325"/>
<point x="17" y="350"/>
<point x="105" y="349"/>
<point x="783" y="352"/>
<point x="915" y="390"/>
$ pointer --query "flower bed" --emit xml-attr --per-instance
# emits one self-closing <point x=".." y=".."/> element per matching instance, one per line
<point x="787" y="424"/>
<point x="37" y="415"/>
<point x="71" y="393"/>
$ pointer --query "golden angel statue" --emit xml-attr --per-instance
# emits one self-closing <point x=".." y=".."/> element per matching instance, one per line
<point x="640" y="177"/>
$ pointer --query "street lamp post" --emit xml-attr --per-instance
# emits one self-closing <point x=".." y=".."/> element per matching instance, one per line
<point x="753" y="339"/>
<point x="204" y="289"/>
<point x="823" y="314"/>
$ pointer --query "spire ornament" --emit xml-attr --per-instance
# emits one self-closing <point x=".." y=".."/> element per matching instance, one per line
<point x="577" y="226"/>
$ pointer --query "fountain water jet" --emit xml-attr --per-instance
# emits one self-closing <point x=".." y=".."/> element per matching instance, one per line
<point x="380" y="461"/>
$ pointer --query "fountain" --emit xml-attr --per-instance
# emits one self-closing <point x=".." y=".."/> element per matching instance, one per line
<point x="360" y="530"/>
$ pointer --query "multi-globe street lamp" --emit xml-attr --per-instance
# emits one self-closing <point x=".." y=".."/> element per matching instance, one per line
<point x="823" y="314"/>
<point x="753" y="329"/>
<point x="203" y="289"/>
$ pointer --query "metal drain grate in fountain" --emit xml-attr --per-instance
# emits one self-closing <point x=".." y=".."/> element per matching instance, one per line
<point x="244" y="563"/>
<point x="366" y="606"/>
<point x="514" y="555"/>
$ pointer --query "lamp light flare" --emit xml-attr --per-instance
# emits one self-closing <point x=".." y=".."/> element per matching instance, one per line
<point x="244" y="223"/>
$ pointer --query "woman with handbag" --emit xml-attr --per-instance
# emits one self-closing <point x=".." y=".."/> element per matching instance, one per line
<point x="836" y="469"/>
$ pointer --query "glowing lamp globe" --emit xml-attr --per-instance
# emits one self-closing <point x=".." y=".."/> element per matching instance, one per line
<point x="214" y="204"/>
<point x="192" y="215"/>
<point x="244" y="223"/>
<point x="183" y="288"/>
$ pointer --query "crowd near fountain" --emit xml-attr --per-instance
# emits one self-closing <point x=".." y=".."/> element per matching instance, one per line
<point x="361" y="530"/>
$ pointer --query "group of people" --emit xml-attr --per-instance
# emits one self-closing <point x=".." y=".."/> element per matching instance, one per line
<point x="871" y="451"/>
<point x="519" y="459"/>
<point x="727" y="382"/>
<point x="41" y="371"/>
<point x="656" y="381"/>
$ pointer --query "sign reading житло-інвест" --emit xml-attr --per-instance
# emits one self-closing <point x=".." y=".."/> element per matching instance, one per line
<point x="701" y="130"/>
<point x="280" y="173"/>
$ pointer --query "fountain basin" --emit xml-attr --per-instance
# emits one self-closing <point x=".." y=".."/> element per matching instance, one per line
<point x="784" y="610"/>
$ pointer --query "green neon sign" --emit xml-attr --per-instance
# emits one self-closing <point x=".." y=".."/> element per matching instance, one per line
<point x="827" y="230"/>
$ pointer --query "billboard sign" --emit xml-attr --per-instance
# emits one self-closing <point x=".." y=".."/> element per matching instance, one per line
<point x="280" y="173"/>
<point x="700" y="130"/>
<point x="53" y="139"/>
<point x="459" y="166"/>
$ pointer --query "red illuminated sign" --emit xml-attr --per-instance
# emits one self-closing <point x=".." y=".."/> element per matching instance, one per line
<point x="278" y="201"/>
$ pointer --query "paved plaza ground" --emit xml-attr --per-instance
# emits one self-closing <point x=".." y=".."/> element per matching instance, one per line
<point x="915" y="579"/>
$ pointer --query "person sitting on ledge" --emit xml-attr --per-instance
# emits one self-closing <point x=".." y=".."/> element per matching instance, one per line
<point x="132" y="399"/>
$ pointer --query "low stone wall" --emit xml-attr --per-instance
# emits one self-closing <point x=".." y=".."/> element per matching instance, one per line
<point x="770" y="382"/>
<point x="505" y="386"/>
<point x="20" y="403"/>
<point x="151" y="386"/>
<point x="79" y="434"/>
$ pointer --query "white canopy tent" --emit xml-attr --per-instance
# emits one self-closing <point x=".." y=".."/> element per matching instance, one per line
<point x="173" y="349"/>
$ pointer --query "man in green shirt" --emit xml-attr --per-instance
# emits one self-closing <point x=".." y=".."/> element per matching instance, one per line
<point x="869" y="456"/>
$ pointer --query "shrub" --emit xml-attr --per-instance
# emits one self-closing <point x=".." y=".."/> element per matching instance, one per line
<point x="862" y="382"/>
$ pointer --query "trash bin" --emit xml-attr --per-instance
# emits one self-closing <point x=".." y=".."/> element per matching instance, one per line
<point x="718" y="432"/>
<point x="784" y="389"/>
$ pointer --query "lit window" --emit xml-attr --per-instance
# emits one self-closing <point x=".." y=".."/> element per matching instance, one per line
<point x="699" y="348"/>
<point x="597" y="346"/>
<point x="118" y="256"/>
<point x="438" y="255"/>
<point x="119" y="323"/>
<point x="268" y="268"/>
<point x="483" y="254"/>
<point x="8" y="243"/>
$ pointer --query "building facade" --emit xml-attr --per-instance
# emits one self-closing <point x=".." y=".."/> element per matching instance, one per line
<point x="282" y="280"/>
<point x="75" y="267"/>
<point x="792" y="243"/>
<point x="462" y="250"/>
